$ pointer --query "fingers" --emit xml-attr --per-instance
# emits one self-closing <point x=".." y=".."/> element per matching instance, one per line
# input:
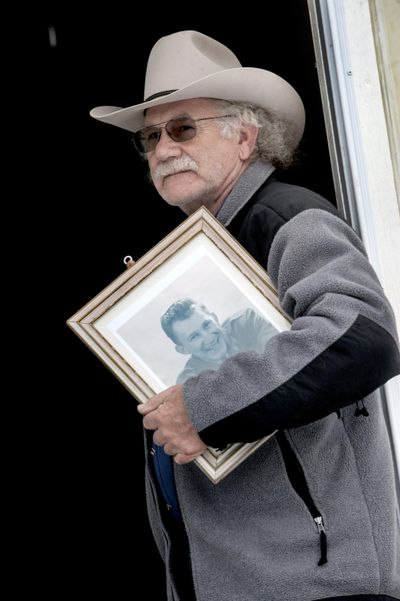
<point x="151" y="404"/>
<point x="167" y="415"/>
<point x="169" y="394"/>
<point x="170" y="449"/>
<point x="188" y="448"/>
<point x="151" y="422"/>
<point x="182" y="459"/>
<point x="159" y="439"/>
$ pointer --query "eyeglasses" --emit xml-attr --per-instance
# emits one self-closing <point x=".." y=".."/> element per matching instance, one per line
<point x="181" y="129"/>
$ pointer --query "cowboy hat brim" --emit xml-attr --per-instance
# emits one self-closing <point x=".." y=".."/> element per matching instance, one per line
<point x="242" y="84"/>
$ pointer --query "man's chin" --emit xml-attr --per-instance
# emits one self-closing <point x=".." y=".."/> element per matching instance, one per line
<point x="218" y="354"/>
<point x="188" y="203"/>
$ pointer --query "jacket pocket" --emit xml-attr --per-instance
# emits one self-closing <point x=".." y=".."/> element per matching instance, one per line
<point x="299" y="483"/>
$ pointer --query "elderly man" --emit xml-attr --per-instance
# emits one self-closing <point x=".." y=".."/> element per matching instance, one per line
<point x="197" y="332"/>
<point x="312" y="513"/>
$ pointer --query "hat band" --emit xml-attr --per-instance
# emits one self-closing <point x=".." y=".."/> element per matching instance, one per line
<point x="158" y="95"/>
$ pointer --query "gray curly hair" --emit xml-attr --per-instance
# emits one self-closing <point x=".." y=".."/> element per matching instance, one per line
<point x="275" y="142"/>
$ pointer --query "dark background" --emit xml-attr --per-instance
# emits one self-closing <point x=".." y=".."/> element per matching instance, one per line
<point x="86" y="464"/>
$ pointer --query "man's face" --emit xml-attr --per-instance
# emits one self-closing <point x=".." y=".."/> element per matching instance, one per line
<point x="207" y="166"/>
<point x="201" y="335"/>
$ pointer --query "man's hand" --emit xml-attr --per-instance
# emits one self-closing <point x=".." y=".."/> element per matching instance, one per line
<point x="167" y="415"/>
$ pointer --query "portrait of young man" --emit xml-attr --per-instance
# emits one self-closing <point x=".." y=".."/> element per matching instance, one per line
<point x="312" y="514"/>
<point x="197" y="332"/>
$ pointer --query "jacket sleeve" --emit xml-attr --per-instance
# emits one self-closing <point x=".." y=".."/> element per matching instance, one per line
<point x="341" y="347"/>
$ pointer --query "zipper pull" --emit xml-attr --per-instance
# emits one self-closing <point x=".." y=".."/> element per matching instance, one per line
<point x="322" y="540"/>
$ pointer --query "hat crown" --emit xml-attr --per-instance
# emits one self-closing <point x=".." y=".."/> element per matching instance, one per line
<point x="179" y="59"/>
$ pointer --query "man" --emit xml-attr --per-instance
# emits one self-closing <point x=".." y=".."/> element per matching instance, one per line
<point x="312" y="513"/>
<point x="197" y="332"/>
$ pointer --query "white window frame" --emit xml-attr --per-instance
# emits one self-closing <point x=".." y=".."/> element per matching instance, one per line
<point x="359" y="149"/>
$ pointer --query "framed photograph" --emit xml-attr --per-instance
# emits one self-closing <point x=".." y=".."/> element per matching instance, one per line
<point x="195" y="299"/>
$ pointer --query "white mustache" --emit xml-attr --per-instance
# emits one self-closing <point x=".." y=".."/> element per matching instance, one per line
<point x="175" y="166"/>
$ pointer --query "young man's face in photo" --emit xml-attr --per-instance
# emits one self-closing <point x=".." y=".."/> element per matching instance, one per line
<point x="201" y="335"/>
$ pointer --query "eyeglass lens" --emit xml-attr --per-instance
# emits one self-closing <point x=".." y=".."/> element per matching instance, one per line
<point x="179" y="130"/>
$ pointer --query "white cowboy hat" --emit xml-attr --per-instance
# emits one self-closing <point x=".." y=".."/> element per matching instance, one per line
<point x="189" y="64"/>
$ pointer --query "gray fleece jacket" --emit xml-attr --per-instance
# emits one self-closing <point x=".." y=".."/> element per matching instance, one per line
<point x="312" y="514"/>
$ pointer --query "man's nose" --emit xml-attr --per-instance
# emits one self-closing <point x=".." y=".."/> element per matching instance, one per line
<point x="166" y="147"/>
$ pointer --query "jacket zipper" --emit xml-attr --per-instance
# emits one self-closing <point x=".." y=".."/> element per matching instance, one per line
<point x="298" y="481"/>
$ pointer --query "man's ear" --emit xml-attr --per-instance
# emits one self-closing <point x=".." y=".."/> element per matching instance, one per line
<point x="247" y="141"/>
<point x="181" y="349"/>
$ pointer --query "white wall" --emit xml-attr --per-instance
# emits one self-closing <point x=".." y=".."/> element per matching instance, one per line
<point x="352" y="68"/>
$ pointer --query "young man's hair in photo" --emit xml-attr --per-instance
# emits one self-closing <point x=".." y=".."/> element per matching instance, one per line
<point x="178" y="311"/>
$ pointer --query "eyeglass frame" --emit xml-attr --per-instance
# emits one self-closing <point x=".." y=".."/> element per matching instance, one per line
<point x="138" y="141"/>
